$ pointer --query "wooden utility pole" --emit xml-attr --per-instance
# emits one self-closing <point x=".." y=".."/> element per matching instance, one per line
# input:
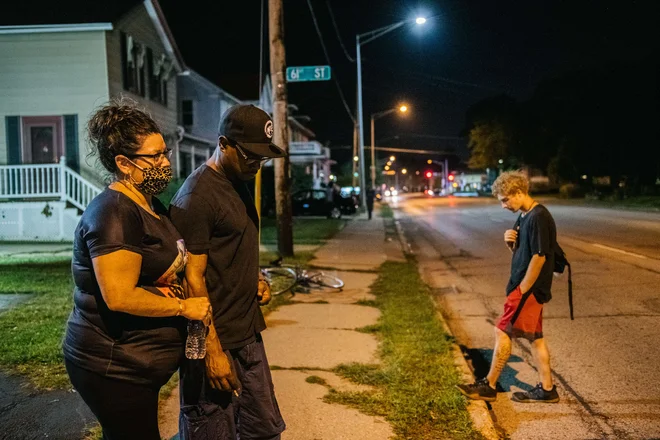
<point x="281" y="126"/>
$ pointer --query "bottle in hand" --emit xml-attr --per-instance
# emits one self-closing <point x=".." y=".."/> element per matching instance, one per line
<point x="196" y="341"/>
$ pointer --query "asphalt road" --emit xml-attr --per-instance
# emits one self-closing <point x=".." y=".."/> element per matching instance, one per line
<point x="606" y="362"/>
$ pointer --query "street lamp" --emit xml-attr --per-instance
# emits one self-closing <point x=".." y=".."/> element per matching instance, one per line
<point x="361" y="39"/>
<point x="402" y="109"/>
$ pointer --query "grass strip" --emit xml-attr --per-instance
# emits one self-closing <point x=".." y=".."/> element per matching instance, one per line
<point x="305" y="230"/>
<point x="31" y="333"/>
<point x="414" y="385"/>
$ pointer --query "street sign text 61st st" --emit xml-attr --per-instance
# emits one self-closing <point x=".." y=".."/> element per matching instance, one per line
<point x="307" y="73"/>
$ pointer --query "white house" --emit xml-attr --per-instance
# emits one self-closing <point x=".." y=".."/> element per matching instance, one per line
<point x="52" y="77"/>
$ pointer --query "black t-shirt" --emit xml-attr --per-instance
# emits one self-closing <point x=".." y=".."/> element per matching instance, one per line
<point x="217" y="217"/>
<point x="537" y="235"/>
<point x="139" y="349"/>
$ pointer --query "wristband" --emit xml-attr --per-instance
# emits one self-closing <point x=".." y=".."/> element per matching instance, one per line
<point x="180" y="311"/>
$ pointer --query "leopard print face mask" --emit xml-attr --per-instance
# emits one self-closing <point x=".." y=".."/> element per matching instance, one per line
<point x="154" y="179"/>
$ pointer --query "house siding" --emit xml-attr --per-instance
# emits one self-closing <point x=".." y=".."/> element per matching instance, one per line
<point x="138" y="24"/>
<point x="53" y="74"/>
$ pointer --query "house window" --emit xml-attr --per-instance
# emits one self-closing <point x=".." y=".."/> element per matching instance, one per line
<point x="158" y="72"/>
<point x="187" y="112"/>
<point x="163" y="83"/>
<point x="133" y="65"/>
<point x="154" y="87"/>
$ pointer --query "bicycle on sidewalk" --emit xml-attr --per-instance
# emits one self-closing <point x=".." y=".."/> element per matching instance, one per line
<point x="287" y="277"/>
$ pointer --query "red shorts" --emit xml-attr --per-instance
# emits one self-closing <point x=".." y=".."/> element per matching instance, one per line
<point x="529" y="322"/>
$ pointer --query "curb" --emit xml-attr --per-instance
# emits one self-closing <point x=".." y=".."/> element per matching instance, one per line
<point x="478" y="409"/>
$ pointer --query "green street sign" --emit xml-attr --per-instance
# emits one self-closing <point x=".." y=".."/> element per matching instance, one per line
<point x="308" y="73"/>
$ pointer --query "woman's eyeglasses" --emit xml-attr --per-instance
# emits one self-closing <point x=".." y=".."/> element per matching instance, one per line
<point x="157" y="157"/>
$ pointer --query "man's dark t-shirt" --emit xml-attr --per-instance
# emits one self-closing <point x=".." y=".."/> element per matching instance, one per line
<point x="117" y="345"/>
<point x="537" y="235"/>
<point x="217" y="217"/>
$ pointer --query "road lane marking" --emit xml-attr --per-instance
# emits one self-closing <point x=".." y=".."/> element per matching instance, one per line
<point x="620" y="251"/>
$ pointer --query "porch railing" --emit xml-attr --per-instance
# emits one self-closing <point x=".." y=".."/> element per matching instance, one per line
<point x="46" y="181"/>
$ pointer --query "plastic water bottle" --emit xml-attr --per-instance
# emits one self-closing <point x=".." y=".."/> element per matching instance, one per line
<point x="196" y="341"/>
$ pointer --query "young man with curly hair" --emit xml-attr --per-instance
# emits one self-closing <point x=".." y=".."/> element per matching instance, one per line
<point x="532" y="242"/>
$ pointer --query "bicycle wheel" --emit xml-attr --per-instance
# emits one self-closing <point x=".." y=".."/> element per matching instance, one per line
<point x="281" y="279"/>
<point x="322" y="281"/>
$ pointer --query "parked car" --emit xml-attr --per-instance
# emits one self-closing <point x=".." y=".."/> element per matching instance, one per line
<point x="349" y="205"/>
<point x="314" y="202"/>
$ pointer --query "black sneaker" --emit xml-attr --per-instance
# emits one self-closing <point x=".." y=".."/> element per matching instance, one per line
<point x="480" y="390"/>
<point x="537" y="395"/>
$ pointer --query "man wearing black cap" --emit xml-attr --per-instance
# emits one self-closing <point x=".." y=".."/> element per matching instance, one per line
<point x="230" y="392"/>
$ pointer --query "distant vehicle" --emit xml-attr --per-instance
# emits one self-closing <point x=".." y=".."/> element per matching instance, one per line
<point x="349" y="204"/>
<point x="314" y="202"/>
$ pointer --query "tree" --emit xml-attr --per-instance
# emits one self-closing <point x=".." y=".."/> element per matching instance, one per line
<point x="489" y="142"/>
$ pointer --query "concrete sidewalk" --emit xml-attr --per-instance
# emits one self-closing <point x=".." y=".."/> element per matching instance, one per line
<point x="308" y="338"/>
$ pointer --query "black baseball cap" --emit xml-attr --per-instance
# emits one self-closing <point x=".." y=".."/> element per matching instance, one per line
<point x="251" y="128"/>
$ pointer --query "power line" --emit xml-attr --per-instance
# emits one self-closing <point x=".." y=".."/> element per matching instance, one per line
<point x="334" y="24"/>
<point x="327" y="58"/>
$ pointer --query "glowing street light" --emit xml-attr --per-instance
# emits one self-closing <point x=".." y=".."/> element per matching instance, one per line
<point x="429" y="161"/>
<point x="404" y="171"/>
<point x="355" y="158"/>
<point x="403" y="108"/>
<point x="387" y="167"/>
<point x="361" y="39"/>
<point x="392" y="158"/>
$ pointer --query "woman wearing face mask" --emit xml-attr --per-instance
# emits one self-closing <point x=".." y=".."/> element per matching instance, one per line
<point x="126" y="333"/>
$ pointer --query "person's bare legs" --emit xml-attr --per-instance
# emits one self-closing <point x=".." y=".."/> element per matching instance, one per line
<point x="501" y="354"/>
<point x="542" y="357"/>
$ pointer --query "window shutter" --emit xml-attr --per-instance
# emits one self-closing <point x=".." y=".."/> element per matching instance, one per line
<point x="71" y="142"/>
<point x="13" y="135"/>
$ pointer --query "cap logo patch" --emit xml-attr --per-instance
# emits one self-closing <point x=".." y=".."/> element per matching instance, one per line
<point x="268" y="129"/>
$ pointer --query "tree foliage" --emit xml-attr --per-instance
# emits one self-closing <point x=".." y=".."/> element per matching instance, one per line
<point x="596" y="122"/>
<point x="488" y="144"/>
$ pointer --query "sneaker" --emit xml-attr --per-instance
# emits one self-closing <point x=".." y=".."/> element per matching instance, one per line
<point x="480" y="390"/>
<point x="537" y="395"/>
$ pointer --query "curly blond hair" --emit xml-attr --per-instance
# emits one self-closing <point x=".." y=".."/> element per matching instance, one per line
<point x="509" y="183"/>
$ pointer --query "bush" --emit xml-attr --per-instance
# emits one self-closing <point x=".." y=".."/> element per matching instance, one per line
<point x="570" y="191"/>
<point x="169" y="192"/>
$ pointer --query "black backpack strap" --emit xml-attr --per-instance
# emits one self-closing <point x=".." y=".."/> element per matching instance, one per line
<point x="570" y="290"/>
<point x="520" y="306"/>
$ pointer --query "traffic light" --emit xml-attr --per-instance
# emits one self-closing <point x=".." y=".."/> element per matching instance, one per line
<point x="428" y="174"/>
<point x="451" y="177"/>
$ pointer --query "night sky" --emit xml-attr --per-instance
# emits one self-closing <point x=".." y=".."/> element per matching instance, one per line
<point x="468" y="50"/>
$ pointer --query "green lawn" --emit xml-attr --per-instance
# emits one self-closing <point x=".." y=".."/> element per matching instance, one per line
<point x="637" y="202"/>
<point x="415" y="381"/>
<point x="31" y="333"/>
<point x="305" y="230"/>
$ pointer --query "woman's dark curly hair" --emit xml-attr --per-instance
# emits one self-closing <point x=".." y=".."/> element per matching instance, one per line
<point x="119" y="128"/>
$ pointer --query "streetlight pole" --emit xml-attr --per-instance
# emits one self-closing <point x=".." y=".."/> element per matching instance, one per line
<point x="360" y="119"/>
<point x="359" y="41"/>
